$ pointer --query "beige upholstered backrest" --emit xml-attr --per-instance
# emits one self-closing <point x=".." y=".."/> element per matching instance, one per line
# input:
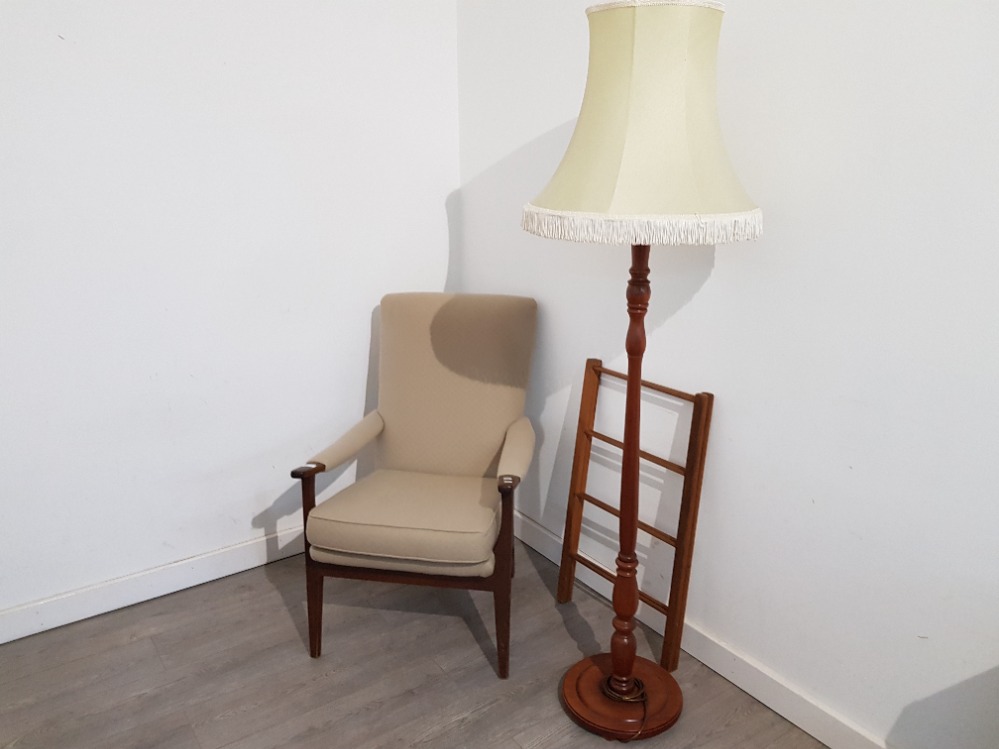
<point x="452" y="377"/>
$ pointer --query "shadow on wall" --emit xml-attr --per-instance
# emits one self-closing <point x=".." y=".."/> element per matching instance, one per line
<point x="290" y="502"/>
<point x="964" y="716"/>
<point x="580" y="290"/>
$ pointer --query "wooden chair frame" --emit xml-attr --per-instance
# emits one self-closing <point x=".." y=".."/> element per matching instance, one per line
<point x="683" y="543"/>
<point x="499" y="582"/>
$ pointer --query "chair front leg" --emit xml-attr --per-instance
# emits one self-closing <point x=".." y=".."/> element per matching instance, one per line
<point x="313" y="577"/>
<point x="314" y="601"/>
<point x="503" y="574"/>
<point x="501" y="602"/>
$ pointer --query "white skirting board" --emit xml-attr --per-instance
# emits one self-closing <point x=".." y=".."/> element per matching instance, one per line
<point x="754" y="678"/>
<point x="76" y="605"/>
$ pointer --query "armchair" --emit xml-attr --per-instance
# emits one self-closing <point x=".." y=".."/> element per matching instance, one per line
<point x="450" y="445"/>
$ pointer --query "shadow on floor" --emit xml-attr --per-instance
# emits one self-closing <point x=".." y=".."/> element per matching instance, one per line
<point x="575" y="625"/>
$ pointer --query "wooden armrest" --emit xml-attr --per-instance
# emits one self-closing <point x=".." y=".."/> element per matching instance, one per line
<point x="309" y="469"/>
<point x="507" y="483"/>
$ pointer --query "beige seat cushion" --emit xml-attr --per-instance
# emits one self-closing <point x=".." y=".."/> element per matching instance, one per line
<point x="410" y="521"/>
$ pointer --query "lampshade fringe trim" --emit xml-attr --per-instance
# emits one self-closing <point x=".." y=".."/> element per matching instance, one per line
<point x="687" y="229"/>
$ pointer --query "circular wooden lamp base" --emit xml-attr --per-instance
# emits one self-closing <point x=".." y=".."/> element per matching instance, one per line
<point x="585" y="701"/>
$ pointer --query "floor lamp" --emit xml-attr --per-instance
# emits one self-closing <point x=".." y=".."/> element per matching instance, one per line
<point x="645" y="166"/>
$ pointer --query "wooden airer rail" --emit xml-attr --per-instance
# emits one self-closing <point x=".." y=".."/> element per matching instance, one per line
<point x="683" y="543"/>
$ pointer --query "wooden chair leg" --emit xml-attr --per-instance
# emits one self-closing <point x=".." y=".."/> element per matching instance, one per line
<point x="314" y="601"/>
<point x="501" y="602"/>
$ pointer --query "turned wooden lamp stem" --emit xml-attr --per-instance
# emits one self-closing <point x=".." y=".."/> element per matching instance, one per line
<point x="622" y="681"/>
<point x="620" y="695"/>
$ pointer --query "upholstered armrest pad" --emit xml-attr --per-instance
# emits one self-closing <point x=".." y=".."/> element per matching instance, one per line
<point x="518" y="449"/>
<point x="351" y="443"/>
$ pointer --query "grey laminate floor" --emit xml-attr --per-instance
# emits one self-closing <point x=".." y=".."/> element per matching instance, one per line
<point x="226" y="665"/>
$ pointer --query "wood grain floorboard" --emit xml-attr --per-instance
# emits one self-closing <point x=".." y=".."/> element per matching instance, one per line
<point x="225" y="666"/>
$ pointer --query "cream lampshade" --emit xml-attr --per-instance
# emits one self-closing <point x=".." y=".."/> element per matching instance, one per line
<point x="646" y="163"/>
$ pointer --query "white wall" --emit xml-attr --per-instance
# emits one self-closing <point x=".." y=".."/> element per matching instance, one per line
<point x="200" y="206"/>
<point x="193" y="234"/>
<point x="846" y="565"/>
